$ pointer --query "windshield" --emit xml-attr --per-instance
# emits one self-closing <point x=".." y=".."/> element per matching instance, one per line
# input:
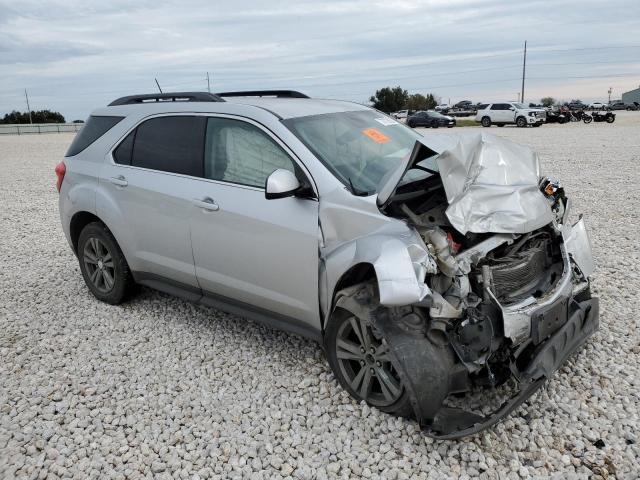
<point x="519" y="106"/>
<point x="359" y="148"/>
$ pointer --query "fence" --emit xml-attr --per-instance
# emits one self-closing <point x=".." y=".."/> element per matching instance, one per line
<point x="15" y="129"/>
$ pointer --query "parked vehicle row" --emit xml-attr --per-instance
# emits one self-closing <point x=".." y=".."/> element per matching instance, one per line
<point x="564" y="115"/>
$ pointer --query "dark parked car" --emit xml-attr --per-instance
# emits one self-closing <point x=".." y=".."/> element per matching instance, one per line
<point x="621" y="106"/>
<point x="430" y="118"/>
<point x="577" y="106"/>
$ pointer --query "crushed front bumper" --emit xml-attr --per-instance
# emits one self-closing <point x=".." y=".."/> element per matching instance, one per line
<point x="583" y="321"/>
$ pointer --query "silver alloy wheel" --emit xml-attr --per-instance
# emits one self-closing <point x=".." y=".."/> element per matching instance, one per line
<point x="365" y="364"/>
<point x="99" y="265"/>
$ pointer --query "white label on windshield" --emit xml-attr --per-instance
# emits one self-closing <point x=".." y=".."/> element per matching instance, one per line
<point x="385" y="121"/>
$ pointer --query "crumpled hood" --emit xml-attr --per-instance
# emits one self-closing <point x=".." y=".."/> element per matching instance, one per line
<point x="491" y="184"/>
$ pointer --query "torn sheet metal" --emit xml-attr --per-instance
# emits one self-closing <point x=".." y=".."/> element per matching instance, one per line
<point x="578" y="245"/>
<point x="492" y="186"/>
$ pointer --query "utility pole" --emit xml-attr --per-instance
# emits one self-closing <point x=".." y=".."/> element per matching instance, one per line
<point x="610" y="90"/>
<point x="208" y="84"/>
<point x="28" y="107"/>
<point x="158" y="85"/>
<point x="524" y="67"/>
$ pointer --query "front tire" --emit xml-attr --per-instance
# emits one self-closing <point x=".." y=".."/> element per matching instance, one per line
<point x="485" y="122"/>
<point x="360" y="360"/>
<point x="103" y="266"/>
<point x="521" y="122"/>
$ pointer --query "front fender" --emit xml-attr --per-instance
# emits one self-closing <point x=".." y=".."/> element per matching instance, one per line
<point x="400" y="260"/>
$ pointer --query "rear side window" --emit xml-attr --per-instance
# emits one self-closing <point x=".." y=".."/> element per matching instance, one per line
<point x="123" y="152"/>
<point x="482" y="106"/>
<point x="169" y="144"/>
<point x="93" y="129"/>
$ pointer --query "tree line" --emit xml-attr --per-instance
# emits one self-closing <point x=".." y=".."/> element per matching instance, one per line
<point x="37" y="116"/>
<point x="389" y="100"/>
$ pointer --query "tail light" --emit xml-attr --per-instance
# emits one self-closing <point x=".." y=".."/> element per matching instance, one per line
<point x="61" y="169"/>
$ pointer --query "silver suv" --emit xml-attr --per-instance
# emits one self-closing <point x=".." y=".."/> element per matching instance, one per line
<point x="440" y="274"/>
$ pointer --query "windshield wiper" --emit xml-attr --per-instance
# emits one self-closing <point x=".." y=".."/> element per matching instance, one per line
<point x="355" y="191"/>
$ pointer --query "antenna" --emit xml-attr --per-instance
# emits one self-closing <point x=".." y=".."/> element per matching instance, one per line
<point x="28" y="107"/>
<point x="158" y="85"/>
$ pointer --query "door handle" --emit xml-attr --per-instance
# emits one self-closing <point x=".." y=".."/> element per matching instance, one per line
<point x="206" y="203"/>
<point x="120" y="181"/>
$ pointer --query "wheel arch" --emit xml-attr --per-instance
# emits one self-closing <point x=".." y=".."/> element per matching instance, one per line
<point x="394" y="266"/>
<point x="81" y="219"/>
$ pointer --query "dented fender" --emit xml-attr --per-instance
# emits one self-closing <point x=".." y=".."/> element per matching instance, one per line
<point x="399" y="257"/>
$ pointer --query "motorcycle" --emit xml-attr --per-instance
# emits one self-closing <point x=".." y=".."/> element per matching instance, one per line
<point x="608" y="117"/>
<point x="581" y="115"/>
<point x="556" y="116"/>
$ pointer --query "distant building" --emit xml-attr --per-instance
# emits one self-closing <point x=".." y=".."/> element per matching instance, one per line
<point x="631" y="96"/>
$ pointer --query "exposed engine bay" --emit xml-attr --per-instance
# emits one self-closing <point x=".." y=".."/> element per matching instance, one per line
<point x="511" y="305"/>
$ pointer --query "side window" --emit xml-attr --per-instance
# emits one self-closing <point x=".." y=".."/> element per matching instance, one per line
<point x="170" y="144"/>
<point x="93" y="129"/>
<point x="123" y="152"/>
<point x="238" y="152"/>
<point x="482" y="106"/>
<point x="496" y="106"/>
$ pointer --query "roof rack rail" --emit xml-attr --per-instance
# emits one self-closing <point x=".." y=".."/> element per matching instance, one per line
<point x="167" y="97"/>
<point x="265" y="93"/>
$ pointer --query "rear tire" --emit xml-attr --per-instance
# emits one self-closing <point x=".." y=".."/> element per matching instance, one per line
<point x="359" y="360"/>
<point x="486" y="122"/>
<point x="103" y="266"/>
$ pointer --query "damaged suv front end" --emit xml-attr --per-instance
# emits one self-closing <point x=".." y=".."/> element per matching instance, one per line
<point x="478" y="288"/>
<point x="511" y="296"/>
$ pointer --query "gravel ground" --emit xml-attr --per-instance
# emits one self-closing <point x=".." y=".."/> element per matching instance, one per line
<point x="160" y="388"/>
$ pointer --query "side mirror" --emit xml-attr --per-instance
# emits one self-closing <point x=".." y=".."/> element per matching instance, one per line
<point x="280" y="184"/>
<point x="512" y="109"/>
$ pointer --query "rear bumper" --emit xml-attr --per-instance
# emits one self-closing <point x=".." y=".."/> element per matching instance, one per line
<point x="583" y="321"/>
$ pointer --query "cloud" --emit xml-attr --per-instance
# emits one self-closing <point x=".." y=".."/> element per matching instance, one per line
<point x="76" y="55"/>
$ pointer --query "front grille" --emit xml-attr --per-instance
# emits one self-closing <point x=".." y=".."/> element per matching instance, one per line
<point x="522" y="271"/>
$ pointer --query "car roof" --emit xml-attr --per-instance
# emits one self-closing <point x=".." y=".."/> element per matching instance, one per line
<point x="299" y="107"/>
<point x="281" y="107"/>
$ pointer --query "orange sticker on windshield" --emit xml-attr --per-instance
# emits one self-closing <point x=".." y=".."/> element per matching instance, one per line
<point x="376" y="135"/>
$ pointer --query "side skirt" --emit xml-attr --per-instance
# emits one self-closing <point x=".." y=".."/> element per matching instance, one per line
<point x="196" y="295"/>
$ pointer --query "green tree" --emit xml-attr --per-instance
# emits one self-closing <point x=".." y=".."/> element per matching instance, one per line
<point x="389" y="99"/>
<point x="38" y="116"/>
<point x="547" y="101"/>
<point x="420" y="102"/>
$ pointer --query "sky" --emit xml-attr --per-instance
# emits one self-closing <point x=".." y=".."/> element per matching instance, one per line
<point x="73" y="56"/>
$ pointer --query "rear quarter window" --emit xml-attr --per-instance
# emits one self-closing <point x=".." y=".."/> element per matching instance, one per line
<point x="93" y="129"/>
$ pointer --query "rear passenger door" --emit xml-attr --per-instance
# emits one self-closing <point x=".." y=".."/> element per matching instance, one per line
<point x="247" y="249"/>
<point x="149" y="182"/>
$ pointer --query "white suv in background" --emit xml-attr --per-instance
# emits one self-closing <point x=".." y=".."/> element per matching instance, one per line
<point x="501" y="114"/>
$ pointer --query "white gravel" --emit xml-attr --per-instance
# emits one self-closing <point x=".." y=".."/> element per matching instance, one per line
<point x="160" y="388"/>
